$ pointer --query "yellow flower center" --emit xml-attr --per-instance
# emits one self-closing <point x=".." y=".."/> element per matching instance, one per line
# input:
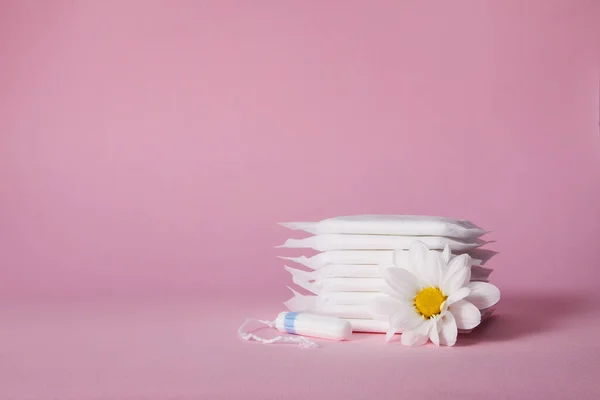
<point x="428" y="301"/>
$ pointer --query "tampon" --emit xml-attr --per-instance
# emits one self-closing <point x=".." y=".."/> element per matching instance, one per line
<point x="318" y="326"/>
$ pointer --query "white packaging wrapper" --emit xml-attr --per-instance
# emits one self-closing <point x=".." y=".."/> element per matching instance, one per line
<point x="337" y="271"/>
<point x="337" y="310"/>
<point x="366" y="271"/>
<point x="319" y="305"/>
<point x="357" y="278"/>
<point x="400" y="225"/>
<point x="356" y="308"/>
<point x="349" y="298"/>
<point x="358" y="257"/>
<point x="381" y="326"/>
<point x="334" y="241"/>
<point x="368" y="325"/>
<point x="356" y="305"/>
<point x="342" y="285"/>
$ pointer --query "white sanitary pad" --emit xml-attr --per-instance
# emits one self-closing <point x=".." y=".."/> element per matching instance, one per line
<point x="327" y="242"/>
<point x="337" y="271"/>
<point x="368" y="325"/>
<point x="357" y="257"/>
<point x="346" y="298"/>
<point x="358" y="274"/>
<point x="381" y="326"/>
<point x="342" y="285"/>
<point x="402" y="225"/>
<point x="320" y="305"/>
<point x="359" y="314"/>
<point x="336" y="310"/>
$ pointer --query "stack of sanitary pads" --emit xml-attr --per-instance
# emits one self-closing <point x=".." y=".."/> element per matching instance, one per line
<point x="344" y="277"/>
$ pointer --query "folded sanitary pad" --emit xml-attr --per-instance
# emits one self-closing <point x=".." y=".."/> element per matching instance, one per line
<point x="346" y="298"/>
<point x="342" y="285"/>
<point x="357" y="276"/>
<point x="358" y="257"/>
<point x="381" y="326"/>
<point x="360" y="309"/>
<point x="320" y="305"/>
<point x="337" y="271"/>
<point x="401" y="225"/>
<point x="334" y="241"/>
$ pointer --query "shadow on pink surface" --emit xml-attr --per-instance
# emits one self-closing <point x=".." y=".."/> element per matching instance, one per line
<point x="524" y="315"/>
<point x="484" y="255"/>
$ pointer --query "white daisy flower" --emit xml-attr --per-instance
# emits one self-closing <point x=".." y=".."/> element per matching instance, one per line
<point x="432" y="297"/>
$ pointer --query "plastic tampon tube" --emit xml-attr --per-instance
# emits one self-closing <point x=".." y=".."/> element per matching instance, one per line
<point x="318" y="326"/>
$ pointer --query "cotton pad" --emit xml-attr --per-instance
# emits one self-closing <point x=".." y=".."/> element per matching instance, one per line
<point x="401" y="225"/>
<point x="327" y="242"/>
<point x="358" y="257"/>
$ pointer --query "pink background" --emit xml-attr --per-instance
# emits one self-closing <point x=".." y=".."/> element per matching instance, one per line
<point x="148" y="148"/>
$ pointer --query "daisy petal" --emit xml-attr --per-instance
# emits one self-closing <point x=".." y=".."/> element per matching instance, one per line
<point x="458" y="262"/>
<point x="410" y="338"/>
<point x="417" y="255"/>
<point x="400" y="258"/>
<point x="415" y="337"/>
<point x="431" y="273"/>
<point x="467" y="316"/>
<point x="483" y="295"/>
<point x="405" y="318"/>
<point x="383" y="267"/>
<point x="390" y="334"/>
<point x="448" y="330"/>
<point x="456" y="277"/>
<point x="403" y="283"/>
<point x="383" y="307"/>
<point x="434" y="335"/>
<point x="444" y="308"/>
<point x="458" y="295"/>
<point x="447" y="254"/>
<point x="386" y="289"/>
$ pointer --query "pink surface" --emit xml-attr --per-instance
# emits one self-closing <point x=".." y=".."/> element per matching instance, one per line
<point x="539" y="345"/>
<point x="147" y="151"/>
